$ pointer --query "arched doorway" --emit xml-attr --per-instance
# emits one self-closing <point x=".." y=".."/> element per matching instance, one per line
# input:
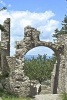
<point x="30" y="41"/>
<point x="45" y="50"/>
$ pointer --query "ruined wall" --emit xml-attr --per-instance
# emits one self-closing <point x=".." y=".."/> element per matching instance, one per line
<point x="5" y="45"/>
<point x="31" y="40"/>
<point x="31" y="36"/>
<point x="52" y="77"/>
<point x="65" y="54"/>
<point x="16" y="81"/>
<point x="19" y="84"/>
<point x="62" y="66"/>
<point x="65" y="63"/>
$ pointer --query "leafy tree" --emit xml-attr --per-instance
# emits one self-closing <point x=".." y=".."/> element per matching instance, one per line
<point x="40" y="68"/>
<point x="63" y="30"/>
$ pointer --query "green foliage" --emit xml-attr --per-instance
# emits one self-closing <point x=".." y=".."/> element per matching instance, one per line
<point x="40" y="68"/>
<point x="15" y="98"/>
<point x="8" y="96"/>
<point x="63" y="30"/>
<point x="64" y="96"/>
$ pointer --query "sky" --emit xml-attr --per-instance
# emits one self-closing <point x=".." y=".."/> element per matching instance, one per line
<point x="45" y="15"/>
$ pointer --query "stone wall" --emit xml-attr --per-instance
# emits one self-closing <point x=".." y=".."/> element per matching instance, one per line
<point x="5" y="45"/>
<point x="31" y="40"/>
<point x="16" y="82"/>
<point x="62" y="67"/>
<point x="52" y="77"/>
<point x="19" y="83"/>
<point x="65" y="55"/>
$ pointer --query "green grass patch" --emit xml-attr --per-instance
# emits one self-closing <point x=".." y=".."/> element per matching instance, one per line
<point x="15" y="98"/>
<point x="8" y="96"/>
<point x="64" y="96"/>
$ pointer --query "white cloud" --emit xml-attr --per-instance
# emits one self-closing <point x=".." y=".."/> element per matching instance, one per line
<point x="2" y="2"/>
<point x="9" y="5"/>
<point x="20" y="19"/>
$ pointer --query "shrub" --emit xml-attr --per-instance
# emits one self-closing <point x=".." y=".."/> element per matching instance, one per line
<point x="64" y="96"/>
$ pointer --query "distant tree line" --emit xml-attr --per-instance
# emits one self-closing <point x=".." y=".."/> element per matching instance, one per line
<point x="40" y="68"/>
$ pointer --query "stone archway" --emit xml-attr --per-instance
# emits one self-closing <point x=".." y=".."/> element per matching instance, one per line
<point x="18" y="83"/>
<point x="54" y="74"/>
<point x="31" y="40"/>
<point x="41" y="50"/>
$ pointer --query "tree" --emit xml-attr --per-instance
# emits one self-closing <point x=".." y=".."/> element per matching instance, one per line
<point x="63" y="30"/>
<point x="4" y="8"/>
<point x="39" y="69"/>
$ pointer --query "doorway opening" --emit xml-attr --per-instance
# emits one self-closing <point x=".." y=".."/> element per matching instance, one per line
<point x="39" y="63"/>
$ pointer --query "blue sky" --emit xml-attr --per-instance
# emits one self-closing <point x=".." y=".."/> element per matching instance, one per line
<point x="45" y="15"/>
<point x="56" y="6"/>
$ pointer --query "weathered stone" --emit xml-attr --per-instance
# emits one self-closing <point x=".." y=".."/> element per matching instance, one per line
<point x="48" y="97"/>
<point x="5" y="45"/>
<point x="15" y="80"/>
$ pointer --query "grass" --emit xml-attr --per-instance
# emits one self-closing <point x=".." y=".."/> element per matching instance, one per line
<point x="14" y="98"/>
<point x="64" y="96"/>
<point x="8" y="96"/>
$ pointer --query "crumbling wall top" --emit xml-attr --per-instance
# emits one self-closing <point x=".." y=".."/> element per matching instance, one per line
<point x="7" y="20"/>
<point x="28" y="31"/>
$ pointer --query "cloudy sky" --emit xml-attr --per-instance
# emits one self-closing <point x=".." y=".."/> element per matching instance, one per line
<point x="45" y="15"/>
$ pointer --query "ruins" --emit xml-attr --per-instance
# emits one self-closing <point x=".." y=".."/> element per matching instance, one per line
<point x="12" y="68"/>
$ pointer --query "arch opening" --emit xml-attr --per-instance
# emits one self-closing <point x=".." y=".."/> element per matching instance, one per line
<point x="41" y="50"/>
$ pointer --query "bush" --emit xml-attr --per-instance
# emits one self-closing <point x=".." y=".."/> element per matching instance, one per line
<point x="64" y="96"/>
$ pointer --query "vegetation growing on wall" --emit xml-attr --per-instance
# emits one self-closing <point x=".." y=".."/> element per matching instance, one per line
<point x="63" y="30"/>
